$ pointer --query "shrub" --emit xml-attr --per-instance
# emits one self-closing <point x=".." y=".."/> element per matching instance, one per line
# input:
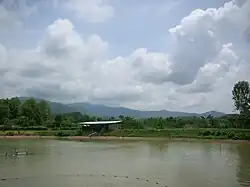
<point x="44" y="133"/>
<point x="247" y="137"/>
<point x="217" y="133"/>
<point x="78" y="133"/>
<point x="231" y="135"/>
<point x="239" y="136"/>
<point x="10" y="133"/>
<point x="207" y="133"/>
<point x="64" y="133"/>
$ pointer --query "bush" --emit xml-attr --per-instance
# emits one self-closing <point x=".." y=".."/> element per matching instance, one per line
<point x="231" y="135"/>
<point x="37" y="128"/>
<point x="247" y="137"/>
<point x="63" y="133"/>
<point x="240" y="136"/>
<point x="217" y="133"/>
<point x="200" y="133"/>
<point x="44" y="133"/>
<point x="223" y="133"/>
<point x="60" y="133"/>
<point x="78" y="133"/>
<point x="10" y="133"/>
<point x="207" y="133"/>
<point x="18" y="128"/>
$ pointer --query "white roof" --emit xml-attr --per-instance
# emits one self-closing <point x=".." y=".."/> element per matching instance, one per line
<point x="98" y="122"/>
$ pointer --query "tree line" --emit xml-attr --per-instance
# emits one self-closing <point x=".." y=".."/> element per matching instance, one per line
<point x="29" y="115"/>
<point x="32" y="114"/>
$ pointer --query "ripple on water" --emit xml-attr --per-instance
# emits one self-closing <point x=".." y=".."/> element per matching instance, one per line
<point x="243" y="175"/>
<point x="177" y="164"/>
<point x="79" y="179"/>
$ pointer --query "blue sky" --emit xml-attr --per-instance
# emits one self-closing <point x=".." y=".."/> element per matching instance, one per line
<point x="144" y="54"/>
<point x="136" y="23"/>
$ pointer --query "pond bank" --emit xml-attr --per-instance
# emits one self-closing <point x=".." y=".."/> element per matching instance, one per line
<point x="187" y="134"/>
<point x="106" y="138"/>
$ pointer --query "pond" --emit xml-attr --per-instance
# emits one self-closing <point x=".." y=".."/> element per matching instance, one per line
<point x="53" y="163"/>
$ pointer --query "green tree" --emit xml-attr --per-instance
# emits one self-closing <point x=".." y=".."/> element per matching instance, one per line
<point x="241" y="96"/>
<point x="67" y="121"/>
<point x="45" y="112"/>
<point x="86" y="117"/>
<point x="58" y="120"/>
<point x="30" y="110"/>
<point x="14" y="107"/>
<point x="121" y="117"/>
<point x="4" y="112"/>
<point x="99" y="119"/>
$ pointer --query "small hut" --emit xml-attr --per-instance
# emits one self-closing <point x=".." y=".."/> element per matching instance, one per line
<point x="100" y="126"/>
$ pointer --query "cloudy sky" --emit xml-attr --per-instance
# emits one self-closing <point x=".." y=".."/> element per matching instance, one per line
<point x="180" y="55"/>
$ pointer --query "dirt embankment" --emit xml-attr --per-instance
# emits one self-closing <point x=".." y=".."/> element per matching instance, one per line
<point x="86" y="138"/>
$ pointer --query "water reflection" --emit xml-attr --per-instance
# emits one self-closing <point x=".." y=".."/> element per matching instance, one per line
<point x="176" y="164"/>
<point x="38" y="153"/>
<point x="158" y="150"/>
<point x="243" y="169"/>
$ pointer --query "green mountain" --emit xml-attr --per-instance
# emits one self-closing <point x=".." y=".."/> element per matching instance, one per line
<point x="102" y="110"/>
<point x="106" y="111"/>
<point x="213" y="113"/>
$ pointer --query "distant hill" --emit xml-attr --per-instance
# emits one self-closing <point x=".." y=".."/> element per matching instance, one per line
<point x="213" y="113"/>
<point x="106" y="111"/>
<point x="102" y="110"/>
<point x="56" y="108"/>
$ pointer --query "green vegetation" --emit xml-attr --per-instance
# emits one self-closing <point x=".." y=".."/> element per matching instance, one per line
<point x="35" y="118"/>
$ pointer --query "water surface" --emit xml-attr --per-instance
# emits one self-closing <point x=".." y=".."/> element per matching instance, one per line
<point x="124" y="163"/>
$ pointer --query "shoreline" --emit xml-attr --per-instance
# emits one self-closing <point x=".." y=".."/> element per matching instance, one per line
<point x="107" y="138"/>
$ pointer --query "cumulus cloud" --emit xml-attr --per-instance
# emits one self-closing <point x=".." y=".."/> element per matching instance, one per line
<point x="199" y="38"/>
<point x="197" y="73"/>
<point x="213" y="73"/>
<point x="62" y="41"/>
<point x="62" y="58"/>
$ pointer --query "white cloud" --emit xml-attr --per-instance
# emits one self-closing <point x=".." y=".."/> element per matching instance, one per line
<point x="196" y="75"/>
<point x="61" y="40"/>
<point x="3" y="55"/>
<point x="92" y="11"/>
<point x="212" y="74"/>
<point x="12" y="11"/>
<point x="199" y="38"/>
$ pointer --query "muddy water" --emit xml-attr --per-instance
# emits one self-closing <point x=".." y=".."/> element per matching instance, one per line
<point x="53" y="163"/>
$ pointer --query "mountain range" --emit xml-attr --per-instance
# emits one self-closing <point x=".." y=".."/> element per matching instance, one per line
<point x="104" y="111"/>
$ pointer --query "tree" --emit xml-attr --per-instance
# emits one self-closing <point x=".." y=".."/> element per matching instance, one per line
<point x="241" y="96"/>
<point x="86" y="117"/>
<point x="30" y="110"/>
<point x="14" y="107"/>
<point x="4" y="112"/>
<point x="58" y="120"/>
<point x="99" y="119"/>
<point x="121" y="117"/>
<point x="44" y="110"/>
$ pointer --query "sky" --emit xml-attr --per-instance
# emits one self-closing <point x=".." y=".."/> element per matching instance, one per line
<point x="148" y="55"/>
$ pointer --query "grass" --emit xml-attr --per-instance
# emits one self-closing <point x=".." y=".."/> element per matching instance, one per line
<point x="43" y="133"/>
<point x="198" y="133"/>
<point x="243" y="134"/>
